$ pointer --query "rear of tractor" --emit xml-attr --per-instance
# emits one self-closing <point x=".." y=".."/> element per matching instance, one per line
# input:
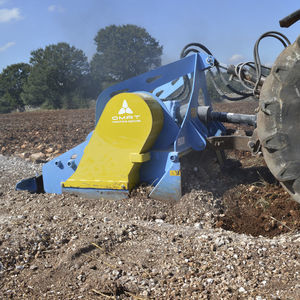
<point x="278" y="119"/>
<point x="144" y="125"/>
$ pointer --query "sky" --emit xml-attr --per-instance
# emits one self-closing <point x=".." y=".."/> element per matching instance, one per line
<point x="229" y="28"/>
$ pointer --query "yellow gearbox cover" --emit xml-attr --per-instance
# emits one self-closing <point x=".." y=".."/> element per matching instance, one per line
<point x="125" y="132"/>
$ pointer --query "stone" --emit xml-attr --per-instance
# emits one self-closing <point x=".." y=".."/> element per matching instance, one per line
<point x="49" y="150"/>
<point x="37" y="156"/>
<point x="159" y="221"/>
<point x="24" y="155"/>
<point x="198" y="225"/>
<point x="252" y="188"/>
<point x="219" y="242"/>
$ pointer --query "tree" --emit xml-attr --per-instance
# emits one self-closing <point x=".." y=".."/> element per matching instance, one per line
<point x="5" y="104"/>
<point x="12" y="80"/>
<point x="123" y="52"/>
<point x="57" y="76"/>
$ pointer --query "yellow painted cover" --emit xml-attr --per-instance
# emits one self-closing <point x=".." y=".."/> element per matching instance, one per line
<point x="125" y="132"/>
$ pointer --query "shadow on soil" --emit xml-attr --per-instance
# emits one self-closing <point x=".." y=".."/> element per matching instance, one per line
<point x="253" y="201"/>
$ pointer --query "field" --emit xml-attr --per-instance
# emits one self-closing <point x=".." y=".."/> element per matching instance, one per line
<point x="233" y="235"/>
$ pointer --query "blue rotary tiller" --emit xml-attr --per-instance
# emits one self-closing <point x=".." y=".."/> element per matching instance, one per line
<point x="144" y="125"/>
<point x="141" y="132"/>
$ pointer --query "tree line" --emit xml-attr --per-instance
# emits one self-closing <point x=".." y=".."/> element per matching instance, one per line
<point x="60" y="76"/>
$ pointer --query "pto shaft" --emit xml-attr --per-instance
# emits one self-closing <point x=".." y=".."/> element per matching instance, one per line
<point x="206" y="114"/>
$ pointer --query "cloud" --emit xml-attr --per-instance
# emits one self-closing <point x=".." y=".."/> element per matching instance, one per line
<point x="7" y="15"/>
<point x="55" y="8"/>
<point x="6" y="46"/>
<point x="236" y="58"/>
<point x="268" y="64"/>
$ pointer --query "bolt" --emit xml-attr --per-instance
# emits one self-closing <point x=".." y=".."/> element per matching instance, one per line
<point x="251" y="144"/>
<point x="210" y="60"/>
<point x="71" y="163"/>
<point x="173" y="157"/>
<point x="59" y="164"/>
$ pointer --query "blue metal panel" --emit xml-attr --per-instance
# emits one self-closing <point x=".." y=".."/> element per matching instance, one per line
<point x="169" y="131"/>
<point x="181" y="143"/>
<point x="167" y="89"/>
<point x="62" y="167"/>
<point x="169" y="186"/>
<point x="195" y="136"/>
<point x="215" y="128"/>
<point x="28" y="184"/>
<point x="164" y="74"/>
<point x="152" y="171"/>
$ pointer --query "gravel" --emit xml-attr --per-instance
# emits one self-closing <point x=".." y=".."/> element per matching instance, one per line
<point x="68" y="247"/>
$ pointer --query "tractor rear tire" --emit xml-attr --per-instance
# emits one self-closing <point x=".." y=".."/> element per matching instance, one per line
<point x="278" y="119"/>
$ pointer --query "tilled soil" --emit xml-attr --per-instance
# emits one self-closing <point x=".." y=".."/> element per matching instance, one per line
<point x="68" y="247"/>
<point x="47" y="132"/>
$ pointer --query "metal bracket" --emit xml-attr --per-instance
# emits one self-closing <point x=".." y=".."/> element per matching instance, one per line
<point x="236" y="142"/>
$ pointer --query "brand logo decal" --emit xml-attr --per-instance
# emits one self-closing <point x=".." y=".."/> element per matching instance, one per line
<point x="126" y="115"/>
<point x="125" y="109"/>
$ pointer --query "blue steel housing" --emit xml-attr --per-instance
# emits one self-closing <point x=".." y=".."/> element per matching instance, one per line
<point x="176" y="139"/>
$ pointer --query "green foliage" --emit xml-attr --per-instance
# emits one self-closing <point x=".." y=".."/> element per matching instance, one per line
<point x="123" y="52"/>
<point x="12" y="80"/>
<point x="58" y="71"/>
<point x="59" y="76"/>
<point x="5" y="104"/>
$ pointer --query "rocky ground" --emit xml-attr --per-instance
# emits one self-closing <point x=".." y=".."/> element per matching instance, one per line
<point x="235" y="234"/>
